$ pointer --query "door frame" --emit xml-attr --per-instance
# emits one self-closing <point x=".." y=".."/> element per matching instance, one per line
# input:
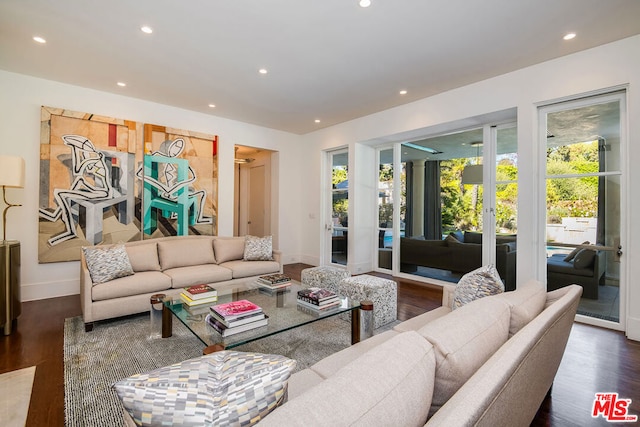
<point x="543" y="109"/>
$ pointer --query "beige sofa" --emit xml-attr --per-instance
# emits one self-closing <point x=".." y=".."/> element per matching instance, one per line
<point x="488" y="363"/>
<point x="166" y="265"/>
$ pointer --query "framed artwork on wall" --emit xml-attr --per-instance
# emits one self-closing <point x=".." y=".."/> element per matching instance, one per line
<point x="106" y="180"/>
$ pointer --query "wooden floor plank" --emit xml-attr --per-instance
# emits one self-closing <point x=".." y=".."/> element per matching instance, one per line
<point x="595" y="359"/>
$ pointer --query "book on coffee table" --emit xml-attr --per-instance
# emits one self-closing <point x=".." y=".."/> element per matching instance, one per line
<point x="227" y="331"/>
<point x="274" y="279"/>
<point x="200" y="291"/>
<point x="327" y="306"/>
<point x="186" y="299"/>
<point x="232" y="310"/>
<point x="317" y="296"/>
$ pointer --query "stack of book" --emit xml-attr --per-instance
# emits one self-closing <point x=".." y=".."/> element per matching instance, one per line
<point x="318" y="298"/>
<point x="198" y="295"/>
<point x="235" y="317"/>
<point x="274" y="281"/>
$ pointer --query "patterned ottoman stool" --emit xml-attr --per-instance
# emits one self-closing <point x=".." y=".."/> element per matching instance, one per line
<point x="324" y="277"/>
<point x="383" y="293"/>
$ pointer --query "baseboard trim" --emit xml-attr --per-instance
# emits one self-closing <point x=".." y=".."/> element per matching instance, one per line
<point x="38" y="291"/>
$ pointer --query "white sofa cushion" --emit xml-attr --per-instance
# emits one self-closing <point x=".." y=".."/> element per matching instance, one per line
<point x="228" y="248"/>
<point x="138" y="284"/>
<point x="144" y="257"/>
<point x="463" y="340"/>
<point x="418" y="322"/>
<point x="373" y="391"/>
<point x="185" y="252"/>
<point x="196" y="274"/>
<point x="251" y="268"/>
<point x="328" y="366"/>
<point x="526" y="303"/>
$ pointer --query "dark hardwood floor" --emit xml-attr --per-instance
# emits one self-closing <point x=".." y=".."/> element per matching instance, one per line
<point x="596" y="360"/>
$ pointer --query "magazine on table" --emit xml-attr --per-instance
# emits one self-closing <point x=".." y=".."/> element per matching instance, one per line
<point x="234" y="309"/>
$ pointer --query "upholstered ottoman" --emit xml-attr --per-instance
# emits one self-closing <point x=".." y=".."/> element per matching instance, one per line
<point x="383" y="293"/>
<point x="324" y="277"/>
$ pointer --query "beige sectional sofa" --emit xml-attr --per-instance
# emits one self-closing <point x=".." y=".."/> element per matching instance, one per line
<point x="488" y="363"/>
<point x="166" y="265"/>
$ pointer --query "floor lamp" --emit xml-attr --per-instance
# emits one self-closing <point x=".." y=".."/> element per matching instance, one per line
<point x="11" y="175"/>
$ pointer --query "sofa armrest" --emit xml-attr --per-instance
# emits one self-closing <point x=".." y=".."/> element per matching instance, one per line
<point x="447" y="295"/>
<point x="85" y="290"/>
<point x="277" y="257"/>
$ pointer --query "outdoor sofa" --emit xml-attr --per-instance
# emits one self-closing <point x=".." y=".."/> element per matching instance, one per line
<point x="460" y="252"/>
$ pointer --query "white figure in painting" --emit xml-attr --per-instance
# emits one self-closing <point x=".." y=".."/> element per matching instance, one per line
<point x="91" y="180"/>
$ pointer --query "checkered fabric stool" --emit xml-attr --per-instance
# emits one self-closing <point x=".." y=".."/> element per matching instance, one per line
<point x="324" y="277"/>
<point x="383" y="293"/>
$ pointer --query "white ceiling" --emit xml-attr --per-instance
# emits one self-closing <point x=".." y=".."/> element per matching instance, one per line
<point x="327" y="59"/>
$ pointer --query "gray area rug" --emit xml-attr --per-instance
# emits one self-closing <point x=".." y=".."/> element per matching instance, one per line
<point x="117" y="349"/>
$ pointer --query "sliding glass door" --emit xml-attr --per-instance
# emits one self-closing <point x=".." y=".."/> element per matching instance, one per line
<point x="452" y="223"/>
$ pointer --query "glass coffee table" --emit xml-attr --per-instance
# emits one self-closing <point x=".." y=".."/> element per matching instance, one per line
<point x="280" y="306"/>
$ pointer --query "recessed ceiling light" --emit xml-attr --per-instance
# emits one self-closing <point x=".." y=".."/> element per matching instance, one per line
<point x="263" y="71"/>
<point x="146" y="29"/>
<point x="212" y="105"/>
<point x="317" y="120"/>
<point x="365" y="3"/>
<point x="569" y="36"/>
<point x="121" y="84"/>
<point x="39" y="39"/>
<point x="403" y="92"/>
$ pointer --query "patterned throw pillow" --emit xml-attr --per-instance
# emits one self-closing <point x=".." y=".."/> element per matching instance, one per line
<point x="258" y="248"/>
<point x="222" y="389"/>
<point x="106" y="264"/>
<point x="478" y="283"/>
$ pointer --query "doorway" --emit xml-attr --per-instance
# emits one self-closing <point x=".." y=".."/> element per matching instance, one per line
<point x="252" y="191"/>
<point x="583" y="142"/>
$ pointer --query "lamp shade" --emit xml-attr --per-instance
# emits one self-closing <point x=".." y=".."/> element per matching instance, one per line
<point x="12" y="171"/>
<point x="472" y="174"/>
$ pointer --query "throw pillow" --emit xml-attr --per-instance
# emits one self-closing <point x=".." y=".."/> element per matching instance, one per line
<point x="222" y="389"/>
<point x="478" y="283"/>
<point x="258" y="248"/>
<point x="458" y="235"/>
<point x="106" y="264"/>
<point x="451" y="240"/>
<point x="584" y="258"/>
<point x="574" y="252"/>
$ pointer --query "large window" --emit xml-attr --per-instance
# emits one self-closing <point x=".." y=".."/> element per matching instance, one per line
<point x="446" y="208"/>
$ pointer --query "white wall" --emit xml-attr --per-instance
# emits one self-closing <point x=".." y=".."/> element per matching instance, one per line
<point x="612" y="65"/>
<point x="20" y="102"/>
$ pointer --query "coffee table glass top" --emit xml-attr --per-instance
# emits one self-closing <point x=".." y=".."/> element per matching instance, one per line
<point x="281" y="307"/>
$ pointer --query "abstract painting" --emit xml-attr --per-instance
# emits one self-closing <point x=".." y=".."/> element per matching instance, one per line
<point x="106" y="180"/>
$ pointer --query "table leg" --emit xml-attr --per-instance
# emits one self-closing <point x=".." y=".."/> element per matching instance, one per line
<point x="167" y="322"/>
<point x="355" y="326"/>
<point x="212" y="349"/>
<point x="362" y="322"/>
